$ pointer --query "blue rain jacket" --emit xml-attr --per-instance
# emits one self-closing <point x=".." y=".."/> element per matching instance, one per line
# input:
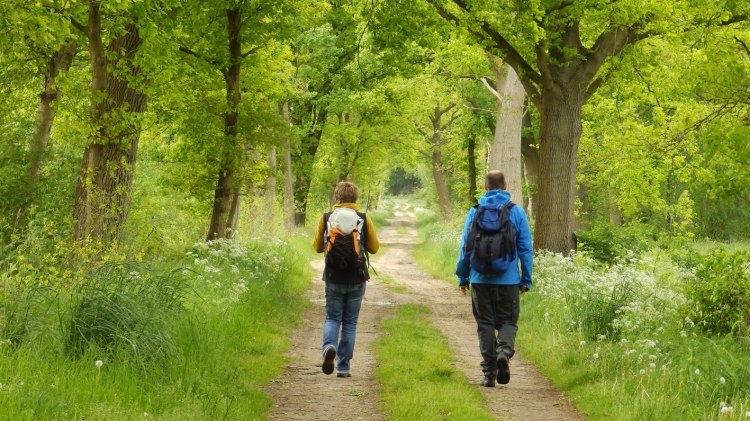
<point x="524" y="247"/>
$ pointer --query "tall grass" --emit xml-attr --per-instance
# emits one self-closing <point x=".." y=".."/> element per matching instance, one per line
<point x="419" y="381"/>
<point x="620" y="339"/>
<point x="195" y="337"/>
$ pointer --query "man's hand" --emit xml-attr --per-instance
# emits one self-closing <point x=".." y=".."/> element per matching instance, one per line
<point x="463" y="288"/>
<point x="524" y="289"/>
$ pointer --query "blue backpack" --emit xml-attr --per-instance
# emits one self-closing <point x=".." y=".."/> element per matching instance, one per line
<point x="491" y="239"/>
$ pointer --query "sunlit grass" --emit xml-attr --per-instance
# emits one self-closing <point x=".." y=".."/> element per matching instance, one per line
<point x="416" y="373"/>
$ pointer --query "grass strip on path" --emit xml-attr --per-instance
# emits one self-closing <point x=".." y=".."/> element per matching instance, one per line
<point x="415" y="371"/>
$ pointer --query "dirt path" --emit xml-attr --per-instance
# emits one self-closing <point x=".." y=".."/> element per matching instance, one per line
<point x="304" y="392"/>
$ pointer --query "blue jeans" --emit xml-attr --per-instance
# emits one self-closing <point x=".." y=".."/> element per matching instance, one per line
<point x="343" y="302"/>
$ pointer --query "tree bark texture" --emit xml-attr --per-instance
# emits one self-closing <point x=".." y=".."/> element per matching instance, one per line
<point x="505" y="154"/>
<point x="227" y="197"/>
<point x="560" y="132"/>
<point x="104" y="185"/>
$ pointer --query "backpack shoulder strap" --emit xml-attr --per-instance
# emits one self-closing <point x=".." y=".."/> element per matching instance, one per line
<point x="363" y="215"/>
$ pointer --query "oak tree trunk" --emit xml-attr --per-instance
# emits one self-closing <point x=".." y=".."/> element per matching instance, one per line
<point x="304" y="160"/>
<point x="560" y="128"/>
<point x="103" y="190"/>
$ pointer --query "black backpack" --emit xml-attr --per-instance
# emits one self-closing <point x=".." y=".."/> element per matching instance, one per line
<point x="345" y="254"/>
<point x="491" y="239"/>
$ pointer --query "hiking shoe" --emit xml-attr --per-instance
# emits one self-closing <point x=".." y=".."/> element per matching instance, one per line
<point x="329" y="354"/>
<point x="489" y="381"/>
<point x="343" y="375"/>
<point x="503" y="369"/>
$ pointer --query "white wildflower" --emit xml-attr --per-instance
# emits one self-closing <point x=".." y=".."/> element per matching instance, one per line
<point x="726" y="409"/>
<point x="652" y="365"/>
<point x="747" y="414"/>
<point x="99" y="363"/>
<point x="596" y="356"/>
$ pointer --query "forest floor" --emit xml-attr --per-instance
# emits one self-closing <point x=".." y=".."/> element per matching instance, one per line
<point x="303" y="392"/>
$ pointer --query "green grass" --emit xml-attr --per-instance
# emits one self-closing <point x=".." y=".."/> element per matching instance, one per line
<point x="391" y="284"/>
<point x="437" y="251"/>
<point x="230" y="335"/>
<point x="416" y="373"/>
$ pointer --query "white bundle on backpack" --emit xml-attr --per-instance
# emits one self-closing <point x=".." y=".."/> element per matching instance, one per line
<point x="345" y="220"/>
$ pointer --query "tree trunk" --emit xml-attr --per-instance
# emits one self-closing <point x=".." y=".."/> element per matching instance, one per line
<point x="270" y="191"/>
<point x="506" y="148"/>
<point x="560" y="133"/>
<point x="438" y="175"/>
<point x="530" y="152"/>
<point x="227" y="197"/>
<point x="471" y="159"/>
<point x="288" y="176"/>
<point x="104" y="185"/>
<point x="61" y="60"/>
<point x="305" y="160"/>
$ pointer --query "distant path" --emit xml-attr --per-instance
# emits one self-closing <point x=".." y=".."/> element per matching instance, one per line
<point x="303" y="392"/>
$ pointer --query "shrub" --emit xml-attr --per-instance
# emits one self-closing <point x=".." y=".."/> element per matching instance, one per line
<point x="608" y="244"/>
<point x="595" y="312"/>
<point x="720" y="293"/>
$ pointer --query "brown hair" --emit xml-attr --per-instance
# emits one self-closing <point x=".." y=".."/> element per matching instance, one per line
<point x="495" y="180"/>
<point x="345" y="192"/>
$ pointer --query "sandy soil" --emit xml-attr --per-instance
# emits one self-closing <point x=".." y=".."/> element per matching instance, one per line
<point x="303" y="392"/>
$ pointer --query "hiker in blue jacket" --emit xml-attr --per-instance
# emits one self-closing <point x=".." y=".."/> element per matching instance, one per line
<point x="495" y="295"/>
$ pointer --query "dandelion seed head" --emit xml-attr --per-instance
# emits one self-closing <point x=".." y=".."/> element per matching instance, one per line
<point x="99" y="363"/>
<point x="582" y="343"/>
<point x="726" y="409"/>
<point x="643" y="371"/>
<point x="722" y="380"/>
<point x="697" y="371"/>
<point x="652" y="365"/>
<point x="596" y="355"/>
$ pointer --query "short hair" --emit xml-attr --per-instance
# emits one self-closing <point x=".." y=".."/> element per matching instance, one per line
<point x="495" y="180"/>
<point x="345" y="192"/>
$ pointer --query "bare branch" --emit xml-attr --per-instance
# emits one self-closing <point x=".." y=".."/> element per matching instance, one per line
<point x="78" y="25"/>
<point x="188" y="51"/>
<point x="743" y="44"/>
<point x="253" y="50"/>
<point x="491" y="89"/>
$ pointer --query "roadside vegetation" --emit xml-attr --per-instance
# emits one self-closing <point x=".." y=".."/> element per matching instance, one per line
<point x="661" y="333"/>
<point x="190" y="337"/>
